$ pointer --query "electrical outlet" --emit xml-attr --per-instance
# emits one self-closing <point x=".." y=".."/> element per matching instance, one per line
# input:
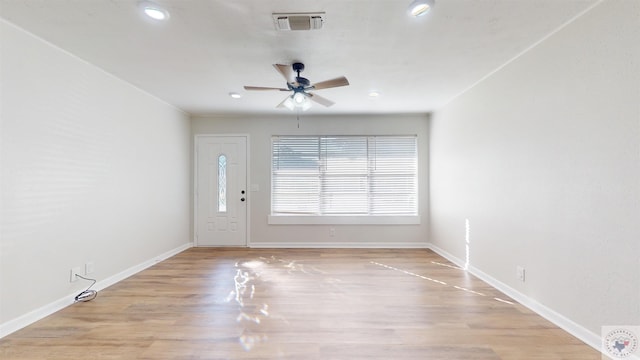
<point x="74" y="271"/>
<point x="332" y="232"/>
<point x="520" y="273"/>
<point x="89" y="268"/>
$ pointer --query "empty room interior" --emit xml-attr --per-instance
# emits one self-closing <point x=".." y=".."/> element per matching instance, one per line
<point x="386" y="179"/>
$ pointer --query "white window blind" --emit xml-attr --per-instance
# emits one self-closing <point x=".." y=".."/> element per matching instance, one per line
<point x="344" y="175"/>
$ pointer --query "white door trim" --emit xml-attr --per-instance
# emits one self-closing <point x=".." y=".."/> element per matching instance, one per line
<point x="194" y="164"/>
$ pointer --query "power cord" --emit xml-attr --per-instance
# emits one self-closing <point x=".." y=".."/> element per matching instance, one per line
<point x="88" y="294"/>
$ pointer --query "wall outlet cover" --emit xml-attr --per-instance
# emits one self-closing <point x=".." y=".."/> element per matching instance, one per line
<point x="89" y="268"/>
<point x="74" y="271"/>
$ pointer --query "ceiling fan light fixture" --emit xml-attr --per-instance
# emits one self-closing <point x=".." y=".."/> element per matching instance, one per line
<point x="153" y="10"/>
<point x="299" y="98"/>
<point x="297" y="101"/>
<point x="306" y="105"/>
<point x="420" y="7"/>
<point x="288" y="103"/>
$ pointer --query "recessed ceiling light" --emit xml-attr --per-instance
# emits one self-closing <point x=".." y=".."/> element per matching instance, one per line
<point x="153" y="10"/>
<point x="235" y="95"/>
<point x="374" y="94"/>
<point x="420" y="7"/>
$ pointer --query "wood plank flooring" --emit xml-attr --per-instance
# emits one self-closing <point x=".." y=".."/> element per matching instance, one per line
<point x="230" y="303"/>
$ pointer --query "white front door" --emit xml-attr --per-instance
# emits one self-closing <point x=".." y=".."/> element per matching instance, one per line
<point x="221" y="191"/>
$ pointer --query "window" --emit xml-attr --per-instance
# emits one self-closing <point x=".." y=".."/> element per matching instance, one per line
<point x="344" y="176"/>
<point x="222" y="183"/>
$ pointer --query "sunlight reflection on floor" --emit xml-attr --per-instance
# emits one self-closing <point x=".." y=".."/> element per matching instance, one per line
<point x="251" y="276"/>
<point x="245" y="280"/>
<point x="248" y="279"/>
<point x="440" y="282"/>
<point x="447" y="265"/>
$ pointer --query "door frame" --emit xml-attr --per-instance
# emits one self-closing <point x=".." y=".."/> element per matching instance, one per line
<point x="197" y="139"/>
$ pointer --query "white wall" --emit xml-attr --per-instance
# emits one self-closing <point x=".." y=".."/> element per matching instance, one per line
<point x="543" y="160"/>
<point x="261" y="128"/>
<point x="93" y="169"/>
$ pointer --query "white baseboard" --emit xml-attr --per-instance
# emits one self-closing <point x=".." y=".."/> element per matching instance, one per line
<point x="44" y="311"/>
<point x="137" y="268"/>
<point x="588" y="337"/>
<point x="339" y="245"/>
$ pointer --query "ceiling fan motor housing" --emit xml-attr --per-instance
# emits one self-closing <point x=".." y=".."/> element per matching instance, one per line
<point x="298" y="67"/>
<point x="304" y="82"/>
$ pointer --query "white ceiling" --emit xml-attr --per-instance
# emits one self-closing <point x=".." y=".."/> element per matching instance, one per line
<point x="209" y="48"/>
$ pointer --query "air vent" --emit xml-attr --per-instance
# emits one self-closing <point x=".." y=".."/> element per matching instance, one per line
<point x="298" y="21"/>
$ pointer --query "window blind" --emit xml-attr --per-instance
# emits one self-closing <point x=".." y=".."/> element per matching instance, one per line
<point x="344" y="175"/>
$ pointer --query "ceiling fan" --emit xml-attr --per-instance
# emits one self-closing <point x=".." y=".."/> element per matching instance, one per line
<point x="300" y="87"/>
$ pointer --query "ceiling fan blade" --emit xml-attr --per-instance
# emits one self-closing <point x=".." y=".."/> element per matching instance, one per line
<point x="320" y="100"/>
<point x="281" y="105"/>
<point x="341" y="81"/>
<point x="264" y="88"/>
<point x="286" y="71"/>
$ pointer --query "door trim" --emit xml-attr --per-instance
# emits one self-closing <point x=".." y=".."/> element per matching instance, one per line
<point x="194" y="165"/>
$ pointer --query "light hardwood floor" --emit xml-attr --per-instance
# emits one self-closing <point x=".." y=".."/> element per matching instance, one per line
<point x="209" y="303"/>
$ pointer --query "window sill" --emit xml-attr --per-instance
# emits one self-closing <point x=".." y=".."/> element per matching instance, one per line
<point x="343" y="220"/>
